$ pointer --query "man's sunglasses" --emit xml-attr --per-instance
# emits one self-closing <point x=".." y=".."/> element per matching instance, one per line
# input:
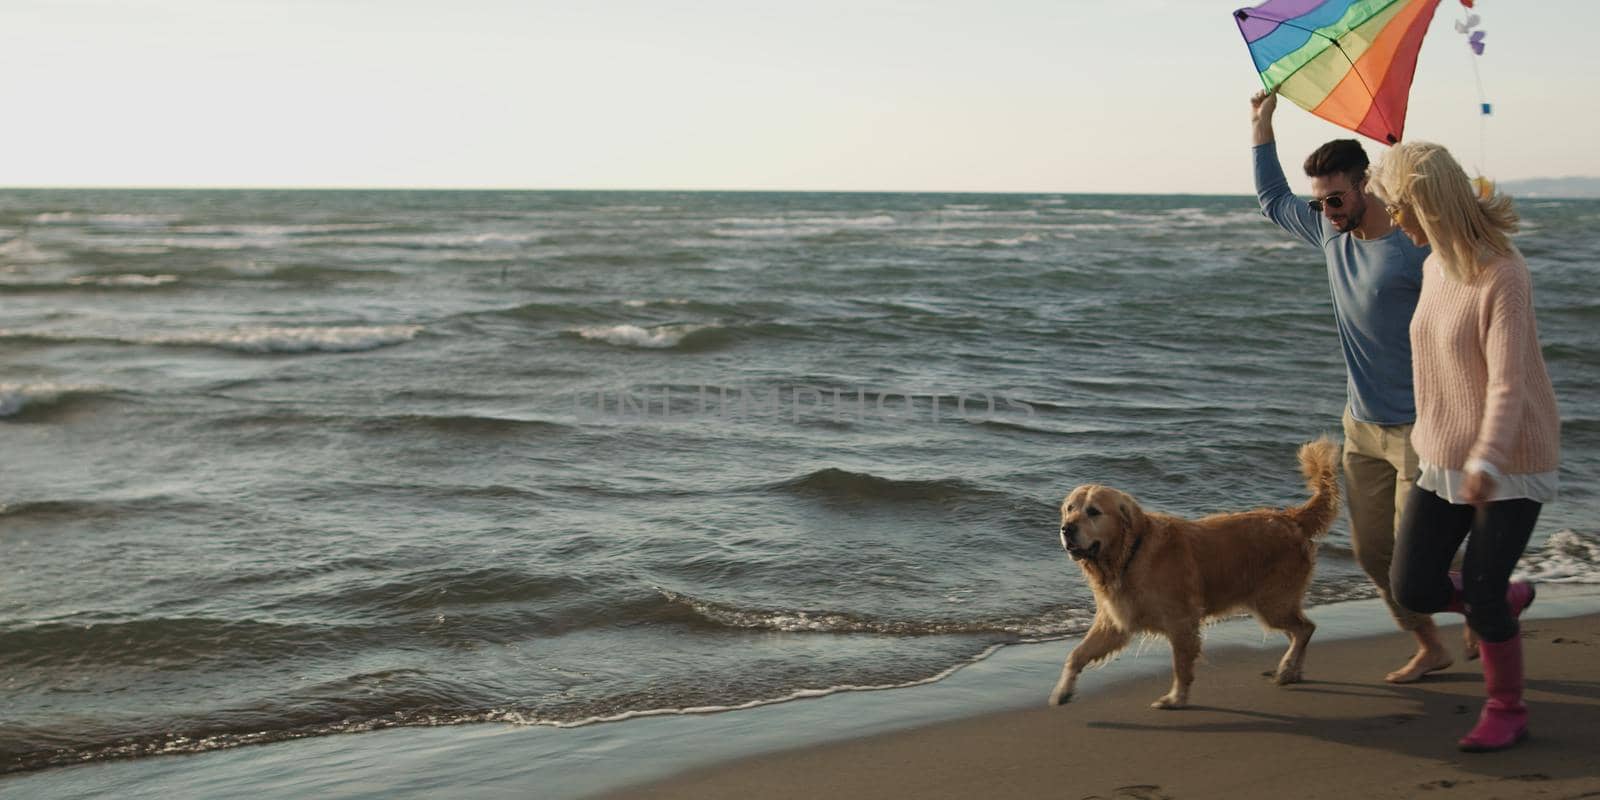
<point x="1334" y="201"/>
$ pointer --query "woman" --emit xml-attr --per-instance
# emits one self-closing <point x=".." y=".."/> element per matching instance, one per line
<point x="1487" y="430"/>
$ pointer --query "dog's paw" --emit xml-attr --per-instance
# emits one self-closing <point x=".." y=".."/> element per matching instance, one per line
<point x="1287" y="676"/>
<point x="1168" y="702"/>
<point x="1060" y="698"/>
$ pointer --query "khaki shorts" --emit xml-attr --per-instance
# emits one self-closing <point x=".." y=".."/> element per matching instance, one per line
<point x="1380" y="468"/>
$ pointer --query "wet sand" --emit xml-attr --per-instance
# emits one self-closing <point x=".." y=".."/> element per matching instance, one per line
<point x="1343" y="733"/>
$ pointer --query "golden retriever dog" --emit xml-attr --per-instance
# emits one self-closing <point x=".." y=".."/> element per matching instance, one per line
<point x="1156" y="573"/>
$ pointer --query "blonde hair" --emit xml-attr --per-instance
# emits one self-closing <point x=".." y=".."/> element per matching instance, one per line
<point x="1467" y="228"/>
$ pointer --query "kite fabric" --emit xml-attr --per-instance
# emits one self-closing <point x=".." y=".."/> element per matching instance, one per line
<point x="1347" y="61"/>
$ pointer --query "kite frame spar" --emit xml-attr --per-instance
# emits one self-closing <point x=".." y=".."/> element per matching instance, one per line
<point x="1326" y="56"/>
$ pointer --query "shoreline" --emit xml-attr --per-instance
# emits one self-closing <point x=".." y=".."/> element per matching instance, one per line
<point x="1346" y="734"/>
<point x="661" y="756"/>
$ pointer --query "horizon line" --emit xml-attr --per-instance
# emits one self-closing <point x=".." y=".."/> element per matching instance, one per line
<point x="666" y="190"/>
<point x="355" y="188"/>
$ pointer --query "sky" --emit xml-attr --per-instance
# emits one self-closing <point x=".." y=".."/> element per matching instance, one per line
<point x="1137" y="96"/>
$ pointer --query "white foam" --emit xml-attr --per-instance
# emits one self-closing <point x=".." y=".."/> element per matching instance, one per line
<point x="332" y="339"/>
<point x="796" y="621"/>
<point x="442" y="240"/>
<point x="519" y="718"/>
<point x="979" y="212"/>
<point x="485" y="258"/>
<point x="22" y="250"/>
<point x="106" y="220"/>
<point x="670" y="301"/>
<point x="656" y="338"/>
<point x="138" y="250"/>
<point x="128" y="280"/>
<point x="873" y="221"/>
<point x="1567" y="557"/>
<point x="16" y="396"/>
<point x="281" y="230"/>
<point x="1016" y="241"/>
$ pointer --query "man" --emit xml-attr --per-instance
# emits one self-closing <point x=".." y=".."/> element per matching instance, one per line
<point x="1375" y="274"/>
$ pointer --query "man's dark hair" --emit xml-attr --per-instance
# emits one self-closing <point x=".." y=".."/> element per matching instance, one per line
<point x="1336" y="157"/>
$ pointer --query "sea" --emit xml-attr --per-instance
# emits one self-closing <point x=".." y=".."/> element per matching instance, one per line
<point x="288" y="464"/>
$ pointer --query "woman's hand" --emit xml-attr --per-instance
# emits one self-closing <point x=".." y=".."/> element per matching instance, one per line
<point x="1477" y="489"/>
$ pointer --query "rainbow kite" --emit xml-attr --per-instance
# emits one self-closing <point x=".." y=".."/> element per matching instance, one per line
<point x="1347" y="61"/>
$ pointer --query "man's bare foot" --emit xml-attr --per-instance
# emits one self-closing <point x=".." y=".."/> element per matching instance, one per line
<point x="1471" y="639"/>
<point x="1424" y="662"/>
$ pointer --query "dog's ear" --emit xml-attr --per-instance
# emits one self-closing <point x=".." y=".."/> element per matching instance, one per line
<point x="1132" y="516"/>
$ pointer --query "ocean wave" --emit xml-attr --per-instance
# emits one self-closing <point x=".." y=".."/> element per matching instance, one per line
<point x="129" y="280"/>
<point x="982" y="419"/>
<point x="21" y="250"/>
<point x="106" y="220"/>
<point x="38" y="401"/>
<point x="1057" y="622"/>
<point x="1558" y="352"/>
<point x="273" y="230"/>
<point x="1566" y="557"/>
<point x="147" y="244"/>
<point x="324" y="490"/>
<point x="523" y="718"/>
<point x="454" y="589"/>
<point x="740" y="308"/>
<point x="836" y="484"/>
<point x="440" y="241"/>
<point x="325" y="339"/>
<point x="569" y="254"/>
<point x="400" y="698"/>
<point x="329" y="339"/>
<point x="542" y="312"/>
<point x="869" y="221"/>
<point x="391" y="424"/>
<point x="798" y="227"/>
<point x="1164" y="220"/>
<point x="988" y="242"/>
<point x="984" y="212"/>
<point x="355" y="703"/>
<point x="1585" y="425"/>
<point x="457" y="424"/>
<point x="404" y="697"/>
<point x="685" y="336"/>
<point x="100" y="508"/>
<point x="313" y="274"/>
<point x="165" y="640"/>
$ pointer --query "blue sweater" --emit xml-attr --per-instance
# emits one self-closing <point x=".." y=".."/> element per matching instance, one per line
<point x="1375" y="284"/>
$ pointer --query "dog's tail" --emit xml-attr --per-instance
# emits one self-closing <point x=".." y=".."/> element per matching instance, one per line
<point x="1319" y="462"/>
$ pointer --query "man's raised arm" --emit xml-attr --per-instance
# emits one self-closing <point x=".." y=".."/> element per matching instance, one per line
<point x="1278" y="202"/>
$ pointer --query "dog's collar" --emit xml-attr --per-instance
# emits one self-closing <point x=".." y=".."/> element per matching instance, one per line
<point x="1132" y="553"/>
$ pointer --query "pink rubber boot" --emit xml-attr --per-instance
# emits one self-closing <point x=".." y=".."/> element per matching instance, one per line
<point x="1519" y="595"/>
<point x="1504" y="720"/>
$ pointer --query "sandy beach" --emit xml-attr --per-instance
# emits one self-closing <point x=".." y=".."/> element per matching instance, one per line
<point x="1343" y="733"/>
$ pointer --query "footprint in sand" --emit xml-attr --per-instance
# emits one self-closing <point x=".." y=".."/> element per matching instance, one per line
<point x="1533" y="777"/>
<point x="1136" y="792"/>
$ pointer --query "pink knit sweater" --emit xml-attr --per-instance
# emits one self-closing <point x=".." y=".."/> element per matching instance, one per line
<point x="1481" y="385"/>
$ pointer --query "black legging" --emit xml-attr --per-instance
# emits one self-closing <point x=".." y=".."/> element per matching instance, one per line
<point x="1431" y="530"/>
